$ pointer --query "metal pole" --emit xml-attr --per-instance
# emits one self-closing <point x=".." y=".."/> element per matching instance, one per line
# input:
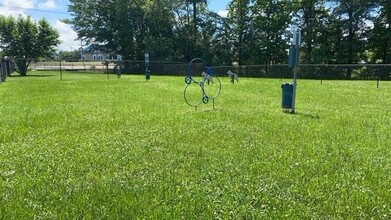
<point x="296" y="43"/>
<point x="107" y="70"/>
<point x="1" y="71"/>
<point x="378" y="79"/>
<point x="81" y="51"/>
<point x="60" y="71"/>
<point x="294" y="89"/>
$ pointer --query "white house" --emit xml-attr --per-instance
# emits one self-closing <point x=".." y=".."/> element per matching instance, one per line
<point x="99" y="53"/>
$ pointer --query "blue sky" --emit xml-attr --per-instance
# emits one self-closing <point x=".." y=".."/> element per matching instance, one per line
<point x="55" y="10"/>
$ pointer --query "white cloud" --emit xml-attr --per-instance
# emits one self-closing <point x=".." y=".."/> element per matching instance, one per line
<point x="49" y="4"/>
<point x="15" y="7"/>
<point x="19" y="3"/>
<point x="67" y="36"/>
<point x="11" y="11"/>
<point x="20" y="7"/>
<point x="223" y="13"/>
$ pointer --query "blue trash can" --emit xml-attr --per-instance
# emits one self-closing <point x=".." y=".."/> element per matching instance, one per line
<point x="147" y="74"/>
<point x="287" y="95"/>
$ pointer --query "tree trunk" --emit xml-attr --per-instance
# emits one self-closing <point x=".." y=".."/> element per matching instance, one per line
<point x="350" y="44"/>
<point x="385" y="53"/>
<point x="22" y="65"/>
<point x="195" y="15"/>
<point x="195" y="23"/>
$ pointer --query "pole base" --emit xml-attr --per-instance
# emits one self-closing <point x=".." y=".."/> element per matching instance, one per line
<point x="290" y="111"/>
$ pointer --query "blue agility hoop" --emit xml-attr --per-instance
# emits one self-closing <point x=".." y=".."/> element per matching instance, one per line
<point x="189" y="78"/>
<point x="210" y="87"/>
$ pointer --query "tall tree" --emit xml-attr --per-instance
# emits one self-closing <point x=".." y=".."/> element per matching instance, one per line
<point x="221" y="42"/>
<point x="212" y="39"/>
<point x="118" y="24"/>
<point x="270" y="41"/>
<point x="380" y="36"/>
<point x="240" y="20"/>
<point x="328" y="47"/>
<point x="313" y="15"/>
<point x="26" y="40"/>
<point x="185" y="38"/>
<point x="355" y="15"/>
<point x="159" y="22"/>
<point x="187" y="28"/>
<point x="194" y="3"/>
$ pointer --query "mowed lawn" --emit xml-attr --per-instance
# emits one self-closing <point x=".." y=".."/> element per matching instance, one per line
<point x="89" y="147"/>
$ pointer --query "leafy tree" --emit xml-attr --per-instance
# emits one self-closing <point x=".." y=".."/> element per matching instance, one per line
<point x="239" y="17"/>
<point x="71" y="56"/>
<point x="354" y="15"/>
<point x="314" y="15"/>
<point x="118" y="24"/>
<point x="194" y="3"/>
<point x="255" y="31"/>
<point x="380" y="36"/>
<point x="187" y="34"/>
<point x="159" y="21"/>
<point x="210" y="25"/>
<point x="328" y="47"/>
<point x="220" y="42"/>
<point x="25" y="40"/>
<point x="271" y="20"/>
<point x="185" y="48"/>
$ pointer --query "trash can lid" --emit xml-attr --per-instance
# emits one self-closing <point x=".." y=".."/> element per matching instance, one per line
<point x="286" y="84"/>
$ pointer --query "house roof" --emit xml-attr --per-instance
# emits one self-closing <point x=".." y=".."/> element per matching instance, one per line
<point x="96" y="48"/>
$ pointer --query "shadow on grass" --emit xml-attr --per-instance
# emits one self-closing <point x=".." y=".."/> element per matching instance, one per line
<point x="27" y="76"/>
<point x="304" y="114"/>
<point x="308" y="115"/>
<point x="209" y="110"/>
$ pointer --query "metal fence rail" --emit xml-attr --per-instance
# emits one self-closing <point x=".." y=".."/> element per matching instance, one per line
<point x="305" y="71"/>
<point x="70" y="66"/>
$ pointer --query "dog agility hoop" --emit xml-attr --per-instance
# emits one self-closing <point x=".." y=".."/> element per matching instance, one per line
<point x="203" y="90"/>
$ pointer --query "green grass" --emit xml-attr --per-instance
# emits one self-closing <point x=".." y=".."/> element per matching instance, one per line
<point x="88" y="147"/>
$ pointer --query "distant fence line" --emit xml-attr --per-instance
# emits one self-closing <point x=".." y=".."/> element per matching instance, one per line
<point x="6" y="67"/>
<point x="306" y="71"/>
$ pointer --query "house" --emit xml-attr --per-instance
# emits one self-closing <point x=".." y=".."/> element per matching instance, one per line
<point x="96" y="52"/>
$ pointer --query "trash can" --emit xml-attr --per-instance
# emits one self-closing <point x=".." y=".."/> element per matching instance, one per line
<point x="147" y="74"/>
<point x="287" y="95"/>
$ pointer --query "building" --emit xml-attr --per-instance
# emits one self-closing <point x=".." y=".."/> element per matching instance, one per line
<point x="98" y="52"/>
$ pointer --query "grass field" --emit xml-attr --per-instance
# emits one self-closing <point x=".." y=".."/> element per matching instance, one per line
<point x="88" y="147"/>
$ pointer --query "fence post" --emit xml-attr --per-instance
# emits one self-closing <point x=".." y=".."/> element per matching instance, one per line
<point x="1" y="72"/>
<point x="60" y="71"/>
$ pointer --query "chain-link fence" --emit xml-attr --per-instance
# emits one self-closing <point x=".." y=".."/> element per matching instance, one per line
<point x="70" y="66"/>
<point x="6" y="67"/>
<point x="305" y="71"/>
<point x="318" y="71"/>
<point x="346" y="71"/>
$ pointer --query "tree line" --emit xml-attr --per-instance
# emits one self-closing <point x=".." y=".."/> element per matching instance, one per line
<point x="253" y="32"/>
